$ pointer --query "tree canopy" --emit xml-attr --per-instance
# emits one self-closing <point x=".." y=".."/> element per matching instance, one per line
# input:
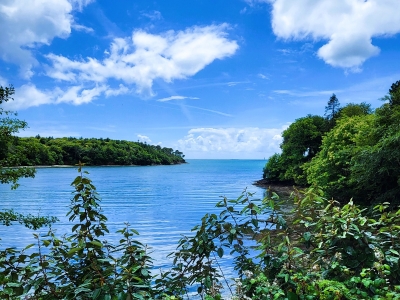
<point x="38" y="150"/>
<point x="355" y="156"/>
<point x="301" y="142"/>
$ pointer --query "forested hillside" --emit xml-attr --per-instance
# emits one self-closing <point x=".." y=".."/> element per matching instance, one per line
<point x="36" y="151"/>
<point x="351" y="152"/>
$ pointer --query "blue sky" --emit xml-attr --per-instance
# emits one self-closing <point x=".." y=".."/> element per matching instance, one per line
<point x="214" y="79"/>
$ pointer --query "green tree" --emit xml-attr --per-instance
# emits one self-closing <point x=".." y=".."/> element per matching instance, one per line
<point x="273" y="168"/>
<point x="332" y="109"/>
<point x="376" y="169"/>
<point x="394" y="94"/>
<point x="301" y="142"/>
<point x="330" y="169"/>
<point x="9" y="125"/>
<point x="353" y="109"/>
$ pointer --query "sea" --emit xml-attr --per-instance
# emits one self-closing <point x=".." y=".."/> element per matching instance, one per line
<point x="162" y="203"/>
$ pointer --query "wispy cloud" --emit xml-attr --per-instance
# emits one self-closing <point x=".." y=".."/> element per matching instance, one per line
<point x="297" y="93"/>
<point x="153" y="16"/>
<point x="210" y="110"/>
<point x="79" y="27"/>
<point x="233" y="83"/>
<point x="262" y="76"/>
<point x="176" y="98"/>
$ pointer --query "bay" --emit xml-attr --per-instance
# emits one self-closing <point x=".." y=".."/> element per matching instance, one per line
<point x="161" y="202"/>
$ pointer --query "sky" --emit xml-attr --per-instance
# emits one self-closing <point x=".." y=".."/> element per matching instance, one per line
<point x="214" y="79"/>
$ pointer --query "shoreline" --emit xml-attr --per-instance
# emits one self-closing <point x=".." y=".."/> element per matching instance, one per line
<point x="282" y="189"/>
<point x="74" y="166"/>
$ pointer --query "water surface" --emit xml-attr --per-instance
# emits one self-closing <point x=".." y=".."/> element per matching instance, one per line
<point x="161" y="202"/>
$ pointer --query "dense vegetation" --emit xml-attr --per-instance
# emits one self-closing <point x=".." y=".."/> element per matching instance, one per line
<point x="352" y="152"/>
<point x="69" y="151"/>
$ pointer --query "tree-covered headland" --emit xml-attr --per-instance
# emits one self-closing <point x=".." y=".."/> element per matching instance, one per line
<point x="36" y="151"/>
<point x="351" y="152"/>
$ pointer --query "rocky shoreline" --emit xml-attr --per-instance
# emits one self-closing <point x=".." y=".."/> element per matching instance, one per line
<point x="282" y="189"/>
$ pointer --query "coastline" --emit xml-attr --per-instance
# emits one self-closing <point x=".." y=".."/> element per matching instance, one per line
<point x="282" y="189"/>
<point x="74" y="166"/>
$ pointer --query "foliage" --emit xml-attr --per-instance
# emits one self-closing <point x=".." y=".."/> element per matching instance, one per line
<point x="69" y="151"/>
<point x="376" y="169"/>
<point x="394" y="94"/>
<point x="352" y="109"/>
<point x="355" y="153"/>
<point x="359" y="156"/>
<point x="331" y="167"/>
<point x="301" y="141"/>
<point x="273" y="168"/>
<point x="29" y="221"/>
<point x="9" y="125"/>
<point x="79" y="265"/>
<point x="332" y="110"/>
<point x="323" y="252"/>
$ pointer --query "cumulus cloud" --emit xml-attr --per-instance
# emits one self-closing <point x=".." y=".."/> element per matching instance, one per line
<point x="28" y="95"/>
<point x="176" y="98"/>
<point x="347" y="25"/>
<point x="250" y="142"/>
<point x="28" y="23"/>
<point x="146" y="57"/>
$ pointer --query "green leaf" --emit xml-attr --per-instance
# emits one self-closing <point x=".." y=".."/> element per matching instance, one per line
<point x="73" y="250"/>
<point x="144" y="272"/>
<point x="292" y="296"/>
<point x="96" y="293"/>
<point x="220" y="252"/>
<point x="96" y="243"/>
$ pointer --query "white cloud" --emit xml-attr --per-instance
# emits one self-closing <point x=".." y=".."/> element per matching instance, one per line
<point x="262" y="76"/>
<point x="116" y="92"/>
<point x="250" y="142"/>
<point x="254" y="2"/>
<point x="153" y="16"/>
<point x="3" y="82"/>
<point x="28" y="95"/>
<point x="176" y="98"/>
<point x="144" y="138"/>
<point x="86" y="29"/>
<point x="209" y="110"/>
<point x="145" y="57"/>
<point x="26" y="24"/>
<point x="297" y="93"/>
<point x="80" y="4"/>
<point x="347" y="25"/>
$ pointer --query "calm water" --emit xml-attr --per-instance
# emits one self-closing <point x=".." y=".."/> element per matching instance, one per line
<point x="161" y="202"/>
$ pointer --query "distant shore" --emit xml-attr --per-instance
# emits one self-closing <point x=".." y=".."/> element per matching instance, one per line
<point x="75" y="166"/>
